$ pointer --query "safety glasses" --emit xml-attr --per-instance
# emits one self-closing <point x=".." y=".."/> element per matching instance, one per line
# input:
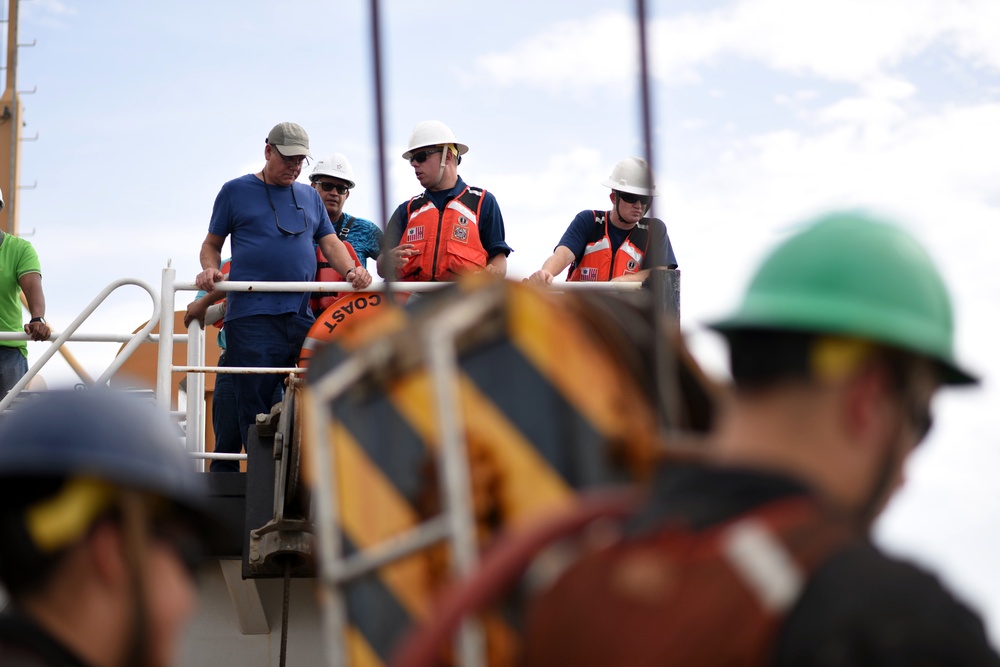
<point x="327" y="186"/>
<point x="630" y="198"/>
<point x="422" y="156"/>
<point x="183" y="542"/>
<point x="293" y="160"/>
<point x="277" y="221"/>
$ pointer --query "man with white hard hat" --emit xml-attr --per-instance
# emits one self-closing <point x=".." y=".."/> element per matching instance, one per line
<point x="452" y="228"/>
<point x="620" y="244"/>
<point x="333" y="179"/>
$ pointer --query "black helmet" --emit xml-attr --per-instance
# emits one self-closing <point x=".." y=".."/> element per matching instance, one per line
<point x="104" y="436"/>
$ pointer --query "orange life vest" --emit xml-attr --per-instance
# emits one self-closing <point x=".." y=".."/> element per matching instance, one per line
<point x="598" y="263"/>
<point x="448" y="241"/>
<point x="320" y="301"/>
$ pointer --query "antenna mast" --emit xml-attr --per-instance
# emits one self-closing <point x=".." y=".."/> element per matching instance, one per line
<point x="10" y="129"/>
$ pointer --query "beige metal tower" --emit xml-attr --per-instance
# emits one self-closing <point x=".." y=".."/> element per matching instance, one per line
<point x="11" y="122"/>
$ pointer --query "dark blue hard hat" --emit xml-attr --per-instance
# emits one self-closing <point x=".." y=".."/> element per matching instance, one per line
<point x="115" y="437"/>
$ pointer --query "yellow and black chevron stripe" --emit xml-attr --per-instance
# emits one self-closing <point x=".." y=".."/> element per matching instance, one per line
<point x="543" y="402"/>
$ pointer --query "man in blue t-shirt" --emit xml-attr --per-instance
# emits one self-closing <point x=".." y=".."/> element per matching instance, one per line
<point x="333" y="179"/>
<point x="620" y="244"/>
<point x="451" y="229"/>
<point x="273" y="222"/>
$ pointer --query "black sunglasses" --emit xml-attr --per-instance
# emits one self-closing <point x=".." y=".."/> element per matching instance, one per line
<point x="630" y="198"/>
<point x="327" y="186"/>
<point x="184" y="542"/>
<point x="422" y="156"/>
<point x="921" y="419"/>
<point x="277" y="222"/>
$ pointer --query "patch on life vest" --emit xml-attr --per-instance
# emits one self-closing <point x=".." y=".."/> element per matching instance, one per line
<point x="415" y="234"/>
<point x="462" y="220"/>
<point x="461" y="234"/>
<point x="588" y="273"/>
<point x="631" y="266"/>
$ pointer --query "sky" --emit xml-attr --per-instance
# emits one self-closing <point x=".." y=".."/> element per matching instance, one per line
<point x="765" y="114"/>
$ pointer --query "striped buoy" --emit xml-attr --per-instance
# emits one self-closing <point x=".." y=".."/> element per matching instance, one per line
<point x="340" y="316"/>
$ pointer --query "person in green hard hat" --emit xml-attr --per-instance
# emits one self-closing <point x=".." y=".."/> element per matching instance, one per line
<point x="760" y="554"/>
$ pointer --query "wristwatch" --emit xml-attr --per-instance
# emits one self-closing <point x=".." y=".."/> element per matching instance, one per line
<point x="36" y="319"/>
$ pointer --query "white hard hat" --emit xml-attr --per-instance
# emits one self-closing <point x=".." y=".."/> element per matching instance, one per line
<point x="335" y="166"/>
<point x="632" y="175"/>
<point x="432" y="133"/>
<point x="1" y="200"/>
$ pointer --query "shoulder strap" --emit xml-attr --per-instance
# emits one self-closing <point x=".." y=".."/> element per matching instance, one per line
<point x="413" y="204"/>
<point x="472" y="198"/>
<point x="635" y="602"/>
<point x="345" y="229"/>
<point x="597" y="232"/>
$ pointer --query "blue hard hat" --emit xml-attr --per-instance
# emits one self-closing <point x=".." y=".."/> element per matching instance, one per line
<point x="115" y="437"/>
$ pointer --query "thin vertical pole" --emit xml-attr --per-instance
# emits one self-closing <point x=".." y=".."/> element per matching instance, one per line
<point x="647" y="104"/>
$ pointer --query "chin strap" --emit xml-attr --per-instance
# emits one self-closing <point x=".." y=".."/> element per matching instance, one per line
<point x="135" y="533"/>
<point x="444" y="160"/>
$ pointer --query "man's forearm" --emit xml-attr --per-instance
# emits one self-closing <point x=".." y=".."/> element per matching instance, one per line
<point x="210" y="256"/>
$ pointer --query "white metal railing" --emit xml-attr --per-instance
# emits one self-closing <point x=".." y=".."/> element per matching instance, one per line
<point x="196" y="367"/>
<point x="69" y="334"/>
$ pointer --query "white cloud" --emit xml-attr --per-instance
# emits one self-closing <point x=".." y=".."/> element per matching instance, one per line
<point x="843" y="41"/>
<point x="594" y="51"/>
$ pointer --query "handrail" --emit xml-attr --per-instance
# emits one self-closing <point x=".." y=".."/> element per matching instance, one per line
<point x="196" y="368"/>
<point x="68" y="332"/>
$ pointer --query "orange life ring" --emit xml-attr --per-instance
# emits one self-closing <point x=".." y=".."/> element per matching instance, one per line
<point x="345" y="312"/>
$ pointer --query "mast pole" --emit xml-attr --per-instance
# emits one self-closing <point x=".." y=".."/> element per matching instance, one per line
<point x="10" y="129"/>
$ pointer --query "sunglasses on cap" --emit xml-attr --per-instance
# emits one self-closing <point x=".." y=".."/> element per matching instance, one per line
<point x="422" y="156"/>
<point x="327" y="186"/>
<point x="630" y="198"/>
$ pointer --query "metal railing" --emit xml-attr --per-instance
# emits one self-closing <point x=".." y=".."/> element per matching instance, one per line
<point x="132" y="340"/>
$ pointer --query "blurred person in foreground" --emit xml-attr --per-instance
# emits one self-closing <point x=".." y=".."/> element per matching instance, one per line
<point x="843" y="337"/>
<point x="102" y="526"/>
<point x="758" y="550"/>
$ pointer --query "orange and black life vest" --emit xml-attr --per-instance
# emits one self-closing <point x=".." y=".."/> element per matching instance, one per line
<point x="448" y="241"/>
<point x="320" y="301"/>
<point x="599" y="264"/>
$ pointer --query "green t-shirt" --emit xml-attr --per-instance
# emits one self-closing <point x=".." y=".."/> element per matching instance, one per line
<point x="17" y="257"/>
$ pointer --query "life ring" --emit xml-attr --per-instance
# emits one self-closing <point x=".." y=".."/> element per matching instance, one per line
<point x="340" y="315"/>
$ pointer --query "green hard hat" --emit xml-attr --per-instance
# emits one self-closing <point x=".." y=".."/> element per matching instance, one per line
<point x="851" y="274"/>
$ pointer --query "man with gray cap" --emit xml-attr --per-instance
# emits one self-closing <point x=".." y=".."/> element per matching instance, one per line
<point x="333" y="179"/>
<point x="273" y="222"/>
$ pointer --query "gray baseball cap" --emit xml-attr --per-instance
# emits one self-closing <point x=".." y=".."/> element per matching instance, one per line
<point x="290" y="139"/>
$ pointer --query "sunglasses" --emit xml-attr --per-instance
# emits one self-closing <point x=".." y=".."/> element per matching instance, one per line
<point x="920" y="419"/>
<point x="183" y="542"/>
<point x="327" y="186"/>
<point x="630" y="198"/>
<point x="422" y="156"/>
<point x="293" y="161"/>
<point x="277" y="221"/>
